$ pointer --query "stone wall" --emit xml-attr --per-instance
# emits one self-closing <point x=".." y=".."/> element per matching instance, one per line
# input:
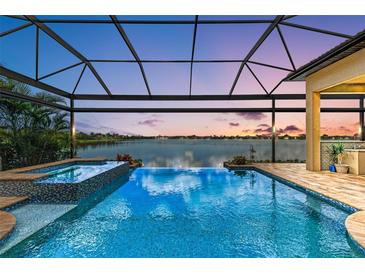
<point x="325" y="158"/>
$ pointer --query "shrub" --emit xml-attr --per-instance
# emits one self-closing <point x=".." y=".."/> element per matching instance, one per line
<point x="238" y="160"/>
<point x="128" y="158"/>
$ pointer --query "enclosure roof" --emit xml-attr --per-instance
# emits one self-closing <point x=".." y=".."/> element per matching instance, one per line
<point x="172" y="57"/>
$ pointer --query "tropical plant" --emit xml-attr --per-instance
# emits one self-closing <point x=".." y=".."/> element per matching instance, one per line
<point x="128" y="158"/>
<point x="30" y="133"/>
<point x="336" y="152"/>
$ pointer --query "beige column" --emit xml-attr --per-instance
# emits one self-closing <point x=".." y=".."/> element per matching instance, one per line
<point x="313" y="134"/>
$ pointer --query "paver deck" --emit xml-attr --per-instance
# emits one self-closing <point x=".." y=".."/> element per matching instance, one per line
<point x="10" y="201"/>
<point x="345" y="188"/>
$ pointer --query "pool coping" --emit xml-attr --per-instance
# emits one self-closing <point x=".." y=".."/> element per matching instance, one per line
<point x="355" y="221"/>
<point x="355" y="225"/>
<point x="8" y="222"/>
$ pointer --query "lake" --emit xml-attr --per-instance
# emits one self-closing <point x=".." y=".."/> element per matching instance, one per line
<point x="195" y="152"/>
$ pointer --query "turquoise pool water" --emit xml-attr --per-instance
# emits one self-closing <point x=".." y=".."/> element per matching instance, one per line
<point x="75" y="173"/>
<point x="196" y="212"/>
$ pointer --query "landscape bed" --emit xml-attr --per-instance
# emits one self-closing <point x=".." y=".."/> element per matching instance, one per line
<point x="197" y="212"/>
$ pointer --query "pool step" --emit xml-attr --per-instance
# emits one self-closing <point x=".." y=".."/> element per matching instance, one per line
<point x="7" y="223"/>
<point x="11" y="201"/>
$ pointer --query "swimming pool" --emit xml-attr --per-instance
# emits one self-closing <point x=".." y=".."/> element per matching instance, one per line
<point x="197" y="212"/>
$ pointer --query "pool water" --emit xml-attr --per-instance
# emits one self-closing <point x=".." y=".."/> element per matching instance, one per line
<point x="199" y="212"/>
<point x="75" y="173"/>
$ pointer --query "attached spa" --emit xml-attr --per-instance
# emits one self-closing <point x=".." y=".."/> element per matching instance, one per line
<point x="64" y="181"/>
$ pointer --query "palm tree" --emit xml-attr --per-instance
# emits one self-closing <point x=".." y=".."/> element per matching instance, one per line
<point x="31" y="133"/>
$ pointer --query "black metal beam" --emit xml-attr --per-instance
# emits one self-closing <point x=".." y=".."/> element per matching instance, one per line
<point x="208" y="110"/>
<point x="342" y="35"/>
<point x="59" y="71"/>
<point x="286" y="47"/>
<point x="78" y="81"/>
<point x="132" y="50"/>
<point x="18" y="96"/>
<point x="72" y="130"/>
<point x="277" y="85"/>
<point x="257" y="79"/>
<point x="254" y="49"/>
<point x="192" y="54"/>
<point x="7" y="32"/>
<point x="268" y="65"/>
<point x="273" y="131"/>
<point x="20" y="17"/>
<point x="152" y="22"/>
<point x="241" y="97"/>
<point x="189" y="98"/>
<point x="287" y="17"/>
<point x="30" y="81"/>
<point x="68" y="47"/>
<point x="187" y="61"/>
<point x="36" y="52"/>
<point x="361" y="121"/>
<point x="341" y="96"/>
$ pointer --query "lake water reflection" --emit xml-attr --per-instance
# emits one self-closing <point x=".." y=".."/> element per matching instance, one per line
<point x="196" y="153"/>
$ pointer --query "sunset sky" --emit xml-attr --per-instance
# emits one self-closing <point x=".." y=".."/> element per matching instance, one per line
<point x="226" y="41"/>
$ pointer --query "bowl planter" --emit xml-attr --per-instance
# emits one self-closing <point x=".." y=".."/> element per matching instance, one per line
<point x="332" y="168"/>
<point x="341" y="168"/>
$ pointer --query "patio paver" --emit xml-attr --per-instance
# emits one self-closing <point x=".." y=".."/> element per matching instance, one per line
<point x="7" y="223"/>
<point x="12" y="200"/>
